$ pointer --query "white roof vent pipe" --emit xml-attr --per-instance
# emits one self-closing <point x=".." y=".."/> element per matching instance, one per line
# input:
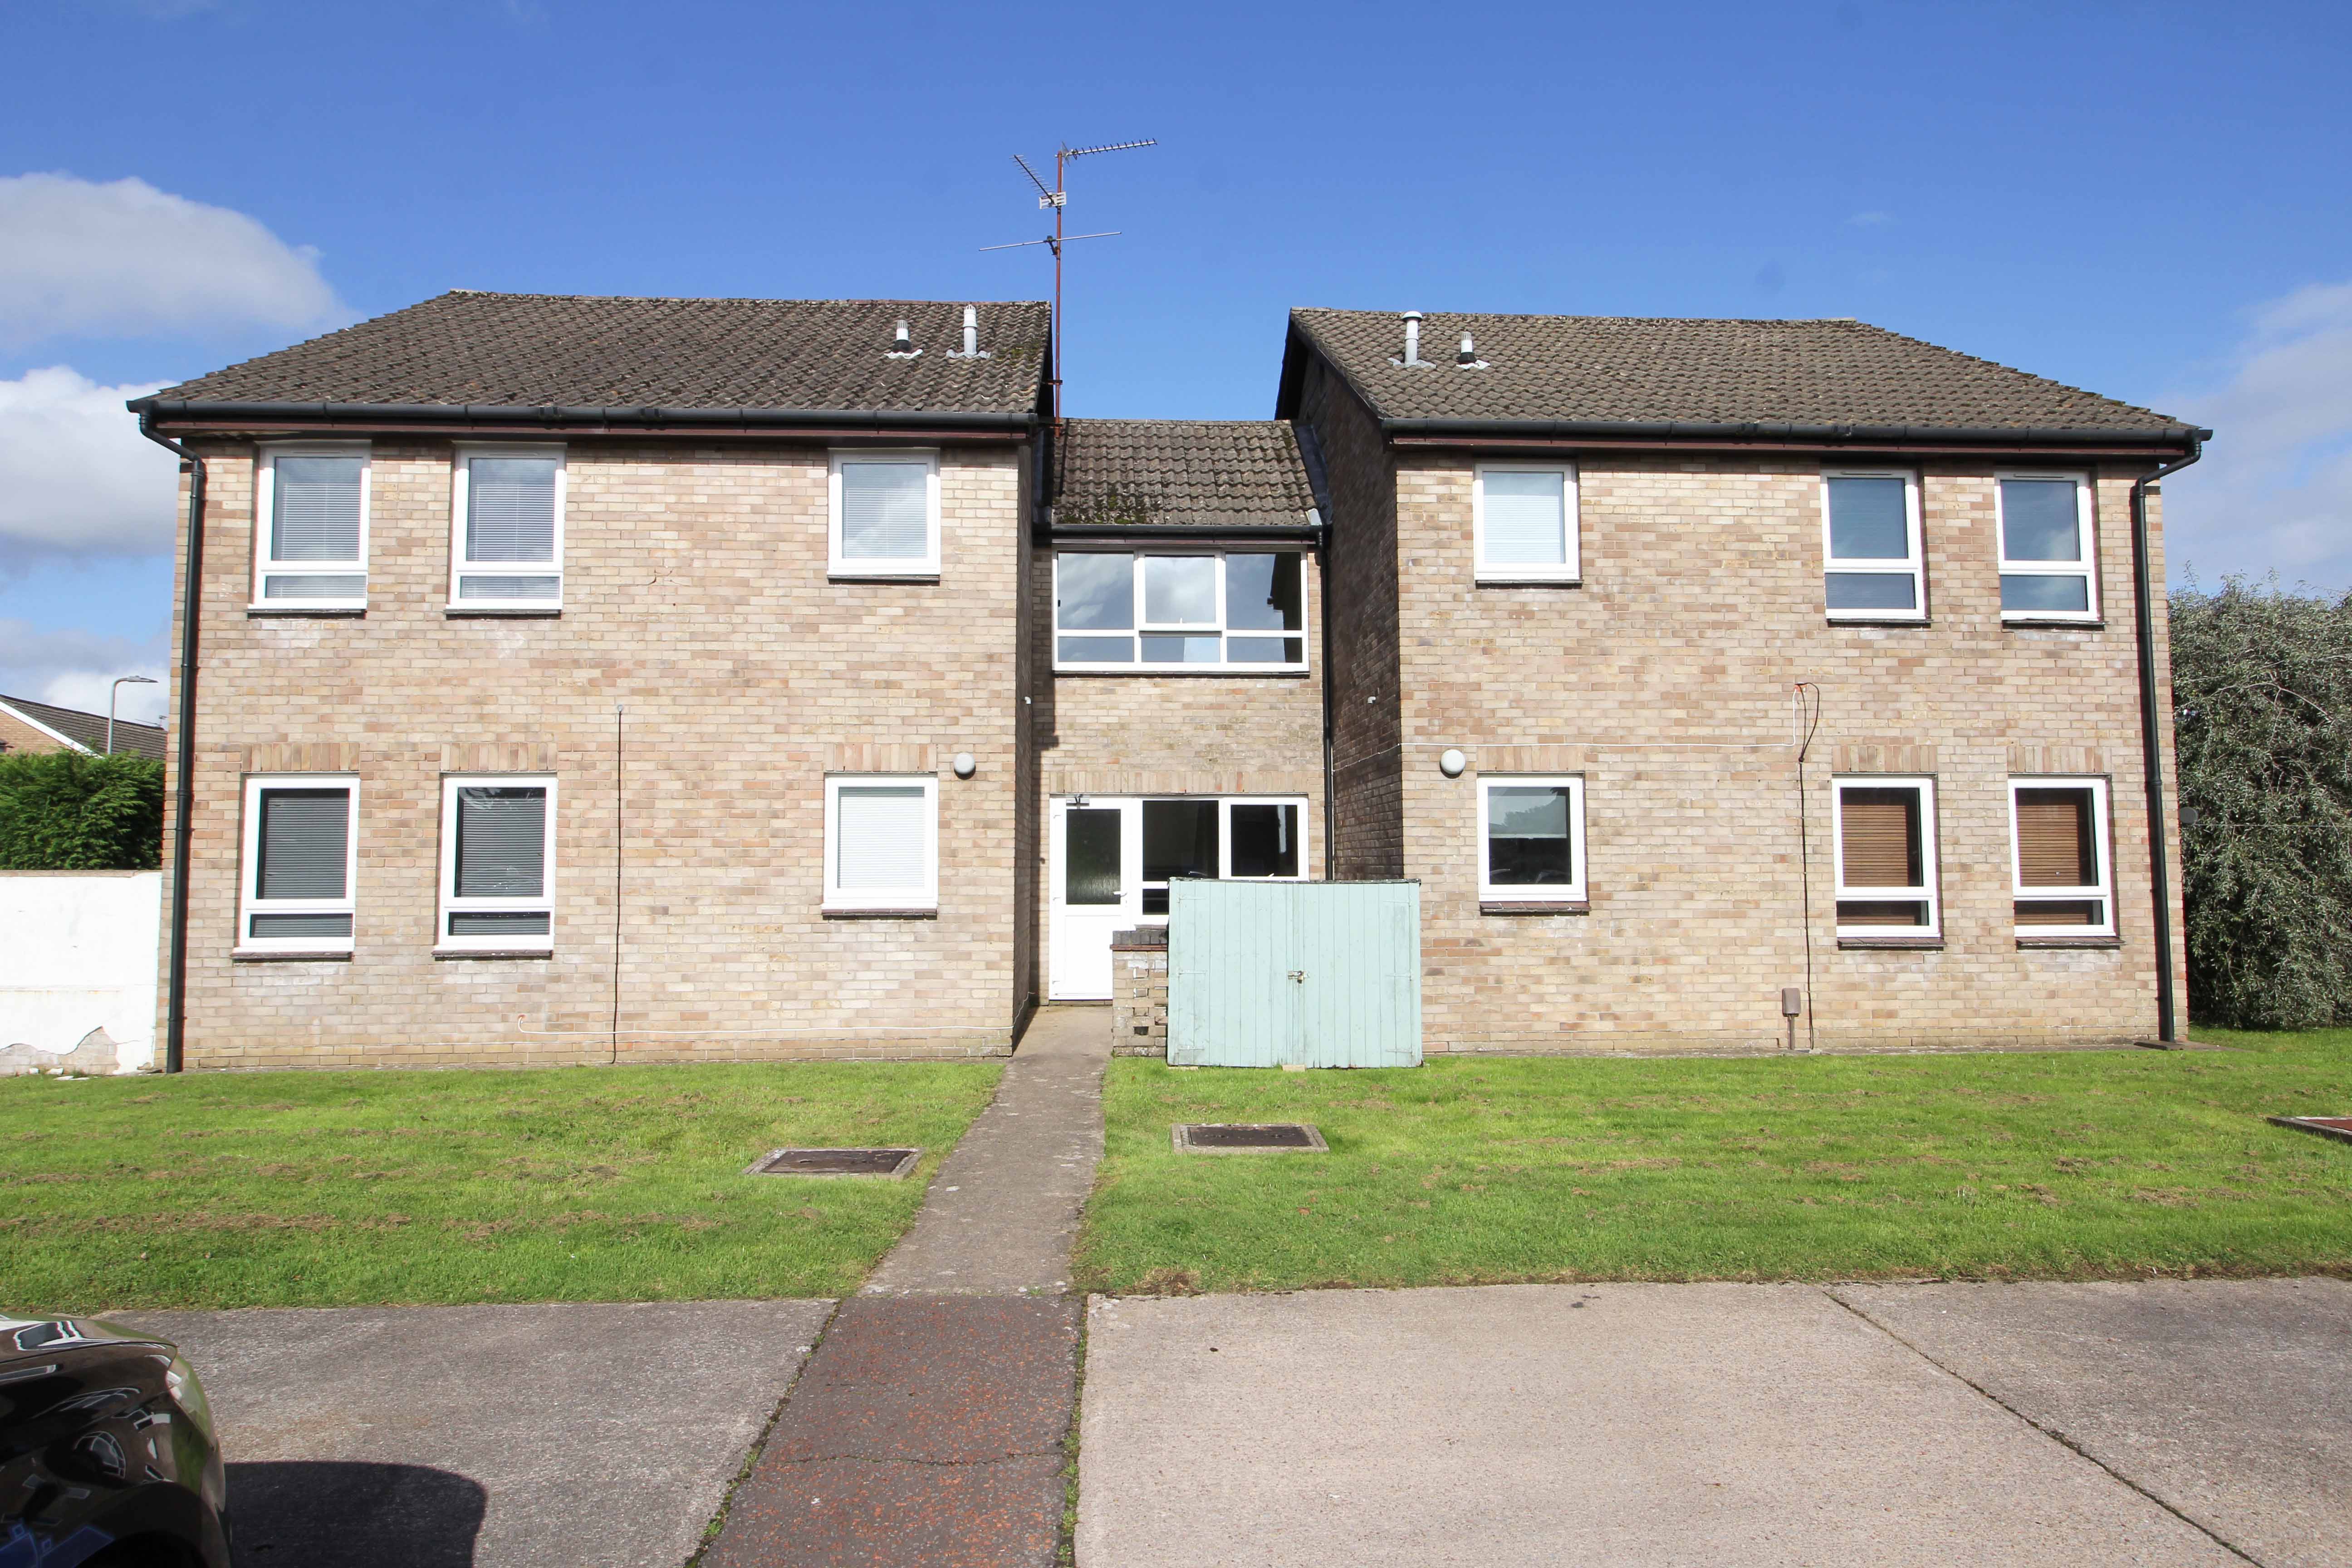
<point x="1467" y="357"/>
<point x="971" y="349"/>
<point x="902" y="344"/>
<point x="1412" y="360"/>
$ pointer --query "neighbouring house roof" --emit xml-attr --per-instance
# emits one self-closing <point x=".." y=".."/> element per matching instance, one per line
<point x="88" y="731"/>
<point x="581" y="355"/>
<point x="1224" y="474"/>
<point x="1696" y="372"/>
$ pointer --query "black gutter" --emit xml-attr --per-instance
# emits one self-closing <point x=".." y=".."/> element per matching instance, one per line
<point x="175" y="1014"/>
<point x="566" y="416"/>
<point x="2179" y="436"/>
<point x="2168" y="1024"/>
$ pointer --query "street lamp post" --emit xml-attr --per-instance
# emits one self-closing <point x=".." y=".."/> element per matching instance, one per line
<point x="114" y="691"/>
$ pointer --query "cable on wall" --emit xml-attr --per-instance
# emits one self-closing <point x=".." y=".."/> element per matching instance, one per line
<point x="1804" y="843"/>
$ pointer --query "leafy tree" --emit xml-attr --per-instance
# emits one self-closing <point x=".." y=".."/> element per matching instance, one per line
<point x="2262" y="687"/>
<point x="66" y="811"/>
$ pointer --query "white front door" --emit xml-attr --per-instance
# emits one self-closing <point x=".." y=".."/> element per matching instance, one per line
<point x="1097" y="846"/>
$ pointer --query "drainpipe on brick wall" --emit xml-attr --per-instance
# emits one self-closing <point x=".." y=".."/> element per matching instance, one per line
<point x="2168" y="1026"/>
<point x="175" y="1012"/>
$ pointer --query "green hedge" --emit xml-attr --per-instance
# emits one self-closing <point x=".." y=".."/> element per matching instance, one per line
<point x="2262" y="688"/>
<point x="68" y="811"/>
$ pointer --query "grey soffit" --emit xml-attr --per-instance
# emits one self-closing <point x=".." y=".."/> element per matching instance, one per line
<point x="573" y="358"/>
<point x="1210" y="475"/>
<point x="89" y="729"/>
<point x="1688" y="376"/>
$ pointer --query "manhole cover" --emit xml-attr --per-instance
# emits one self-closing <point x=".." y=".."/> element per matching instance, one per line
<point x="2326" y="1126"/>
<point x="1243" y="1137"/>
<point x="891" y="1162"/>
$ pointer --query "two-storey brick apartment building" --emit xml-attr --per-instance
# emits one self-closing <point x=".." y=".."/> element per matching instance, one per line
<point x="1684" y="661"/>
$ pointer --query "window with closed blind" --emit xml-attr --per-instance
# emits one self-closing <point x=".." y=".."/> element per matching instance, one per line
<point x="2048" y="572"/>
<point x="884" y="510"/>
<point x="882" y="844"/>
<point x="309" y="528"/>
<point x="1530" y="839"/>
<point x="1523" y="522"/>
<point x="2058" y="835"/>
<point x="300" y="861"/>
<point x="506" y="549"/>
<point x="1885" y="848"/>
<point x="498" y="864"/>
<point x="1870" y="546"/>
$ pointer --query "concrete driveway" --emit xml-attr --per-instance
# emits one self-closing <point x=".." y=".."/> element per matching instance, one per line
<point x="526" y="1436"/>
<point x="1628" y="1424"/>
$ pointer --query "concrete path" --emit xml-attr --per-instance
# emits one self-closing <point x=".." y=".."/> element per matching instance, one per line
<point x="1630" y="1424"/>
<point x="928" y="1428"/>
<point x="525" y="1436"/>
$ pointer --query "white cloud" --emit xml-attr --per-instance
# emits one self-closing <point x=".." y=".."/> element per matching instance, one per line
<point x="77" y="479"/>
<point x="76" y="669"/>
<point x="2274" y="490"/>
<point x="124" y="259"/>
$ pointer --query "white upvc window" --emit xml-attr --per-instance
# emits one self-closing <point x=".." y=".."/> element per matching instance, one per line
<point x="1256" y="838"/>
<point x="882" y="842"/>
<point x="1531" y="839"/>
<point x="2059" y="857"/>
<point x="884" y="514"/>
<point x="310" y="526"/>
<point x="1885" y="846"/>
<point x="1194" y="611"/>
<point x="2048" y="568"/>
<point x="301" y="861"/>
<point x="497" y="863"/>
<point x="1871" y="560"/>
<point x="1523" y="517"/>
<point x="506" y="540"/>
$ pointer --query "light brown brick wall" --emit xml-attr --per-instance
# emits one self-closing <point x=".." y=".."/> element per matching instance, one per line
<point x="1665" y="680"/>
<point x="15" y="735"/>
<point x="1139" y="1001"/>
<point x="696" y="595"/>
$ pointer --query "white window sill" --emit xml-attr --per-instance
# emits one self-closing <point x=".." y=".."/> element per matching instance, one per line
<point x="506" y="612"/>
<point x="308" y="607"/>
<point x="882" y="574"/>
<point x="439" y="953"/>
<point x="1523" y="580"/>
<point x="2031" y="619"/>
<point x="1227" y="669"/>
<point x="289" y="956"/>
<point x="1852" y="618"/>
<point x="910" y="912"/>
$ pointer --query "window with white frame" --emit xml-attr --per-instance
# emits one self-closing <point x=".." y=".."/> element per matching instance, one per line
<point x="1204" y="610"/>
<point x="1523" y="517"/>
<point x="885" y="514"/>
<point x="506" y="549"/>
<point x="1870" y="546"/>
<point x="2058" y="839"/>
<point x="882" y="842"/>
<point x="1531" y="839"/>
<point x="310" y="527"/>
<point x="1886" y="858"/>
<point x="1208" y="835"/>
<point x="2047" y="570"/>
<point x="301" y="857"/>
<point x="497" y="863"/>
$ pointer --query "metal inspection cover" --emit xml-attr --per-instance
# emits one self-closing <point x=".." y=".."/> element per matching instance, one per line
<point x="2326" y="1126"/>
<point x="1245" y="1137"/>
<point x="888" y="1163"/>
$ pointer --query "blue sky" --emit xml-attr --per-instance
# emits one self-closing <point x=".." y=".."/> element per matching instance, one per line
<point x="2142" y="199"/>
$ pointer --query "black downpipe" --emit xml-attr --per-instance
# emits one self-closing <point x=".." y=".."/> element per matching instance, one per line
<point x="2167" y="1023"/>
<point x="175" y="1011"/>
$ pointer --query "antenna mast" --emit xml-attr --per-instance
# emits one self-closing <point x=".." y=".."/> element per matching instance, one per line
<point x="1056" y="200"/>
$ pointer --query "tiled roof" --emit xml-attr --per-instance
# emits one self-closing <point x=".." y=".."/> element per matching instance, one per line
<point x="1700" y="372"/>
<point x="89" y="729"/>
<point x="579" y="350"/>
<point x="1221" y="473"/>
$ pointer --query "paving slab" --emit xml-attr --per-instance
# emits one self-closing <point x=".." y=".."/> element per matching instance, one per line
<point x="2226" y="1399"/>
<point x="1618" y="1424"/>
<point x="565" y="1436"/>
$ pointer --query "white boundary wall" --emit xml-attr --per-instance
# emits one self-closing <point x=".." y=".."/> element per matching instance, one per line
<point x="78" y="965"/>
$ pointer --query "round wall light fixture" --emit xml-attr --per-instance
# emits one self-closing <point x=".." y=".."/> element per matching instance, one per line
<point x="965" y="764"/>
<point x="1451" y="762"/>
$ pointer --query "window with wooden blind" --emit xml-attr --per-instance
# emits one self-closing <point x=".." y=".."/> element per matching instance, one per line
<point x="498" y="864"/>
<point x="1870" y="546"/>
<point x="1886" y="858"/>
<point x="2058" y="834"/>
<point x="506" y="550"/>
<point x="884" y="514"/>
<point x="1523" y="522"/>
<point x="310" y="527"/>
<point x="882" y="844"/>
<point x="1531" y="839"/>
<point x="301" y="863"/>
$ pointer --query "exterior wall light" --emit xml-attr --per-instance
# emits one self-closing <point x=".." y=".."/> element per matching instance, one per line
<point x="965" y="764"/>
<point x="1451" y="762"/>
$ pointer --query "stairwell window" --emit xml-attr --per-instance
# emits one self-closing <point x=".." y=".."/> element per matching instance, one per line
<point x="506" y="537"/>
<point x="1194" y="611"/>
<point x="882" y="844"/>
<point x="1870" y="546"/>
<point x="1531" y="840"/>
<point x="2058" y="836"/>
<point x="885" y="514"/>
<point x="2048" y="572"/>
<point x="300" y="862"/>
<point x="1886" y="858"/>
<point x="498" y="864"/>
<point x="310" y="527"/>
<point x="1524" y="524"/>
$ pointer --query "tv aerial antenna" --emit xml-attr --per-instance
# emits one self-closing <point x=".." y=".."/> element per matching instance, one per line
<point x="1056" y="201"/>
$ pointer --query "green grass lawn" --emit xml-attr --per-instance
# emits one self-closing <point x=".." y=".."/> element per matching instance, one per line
<point x="321" y="1189"/>
<point x="2103" y="1164"/>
